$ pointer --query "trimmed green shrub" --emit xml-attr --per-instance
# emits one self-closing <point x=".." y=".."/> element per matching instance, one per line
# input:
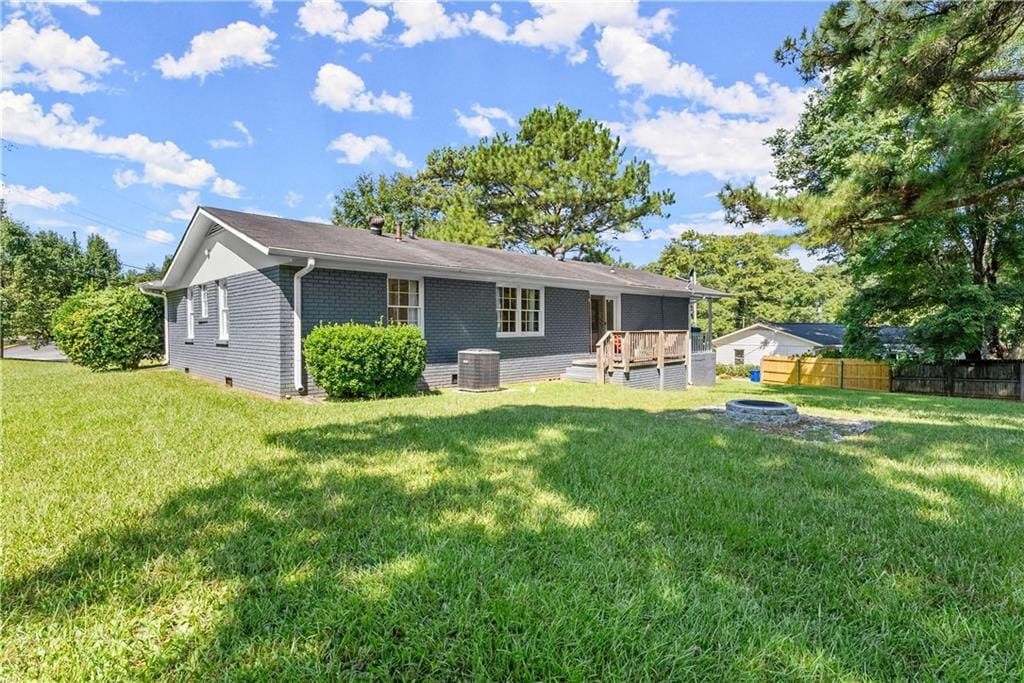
<point x="115" y="328"/>
<point x="723" y="370"/>
<point x="365" y="361"/>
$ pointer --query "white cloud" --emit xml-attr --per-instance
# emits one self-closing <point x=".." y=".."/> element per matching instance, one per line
<point x="40" y="10"/>
<point x="237" y="44"/>
<point x="292" y="198"/>
<point x="718" y="130"/>
<point x="226" y="188"/>
<point x="687" y="142"/>
<point x="50" y="59"/>
<point x="476" y="126"/>
<point x="187" y="202"/>
<point x="329" y="18"/>
<point x="704" y="223"/>
<point x="355" y="149"/>
<point x="342" y="90"/>
<point x="26" y="122"/>
<point x="39" y="197"/>
<point x="161" y="236"/>
<point x="560" y="25"/>
<point x="264" y="7"/>
<point x="108" y="234"/>
<point x="426" y="20"/>
<point x="806" y="259"/>
<point x="316" y="219"/>
<point x="86" y="7"/>
<point x="635" y="62"/>
<point x="482" y="123"/>
<point x="228" y="143"/>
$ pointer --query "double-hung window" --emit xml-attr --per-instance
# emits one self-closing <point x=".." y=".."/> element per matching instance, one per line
<point x="222" y="310"/>
<point x="405" y="301"/>
<point x="190" y="313"/>
<point x="204" y="308"/>
<point x="520" y="311"/>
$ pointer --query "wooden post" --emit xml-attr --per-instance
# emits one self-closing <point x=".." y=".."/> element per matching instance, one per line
<point x="661" y="348"/>
<point x="627" y="351"/>
<point x="1020" y="377"/>
<point x="842" y="372"/>
<point x="798" y="370"/>
<point x="600" y="362"/>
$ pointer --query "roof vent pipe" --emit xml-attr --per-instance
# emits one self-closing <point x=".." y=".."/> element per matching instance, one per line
<point x="398" y="231"/>
<point x="297" y="324"/>
<point x="377" y="225"/>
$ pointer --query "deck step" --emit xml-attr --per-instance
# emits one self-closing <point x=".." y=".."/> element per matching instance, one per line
<point x="578" y="373"/>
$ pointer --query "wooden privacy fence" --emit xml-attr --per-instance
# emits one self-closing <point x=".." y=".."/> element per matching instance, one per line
<point x="976" y="379"/>
<point x="838" y="373"/>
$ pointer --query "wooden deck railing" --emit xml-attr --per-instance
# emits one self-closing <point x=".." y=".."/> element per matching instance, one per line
<point x="624" y="350"/>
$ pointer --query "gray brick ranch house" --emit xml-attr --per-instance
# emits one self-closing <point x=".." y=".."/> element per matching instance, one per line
<point x="243" y="290"/>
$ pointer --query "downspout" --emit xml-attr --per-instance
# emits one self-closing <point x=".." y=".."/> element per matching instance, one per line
<point x="167" y="333"/>
<point x="690" y="308"/>
<point x="297" y="323"/>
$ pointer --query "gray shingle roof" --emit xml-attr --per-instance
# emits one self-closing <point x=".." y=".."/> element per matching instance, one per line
<point x="317" y="239"/>
<point x="826" y="334"/>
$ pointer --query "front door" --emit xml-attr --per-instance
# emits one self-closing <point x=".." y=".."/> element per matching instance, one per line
<point x="598" y="318"/>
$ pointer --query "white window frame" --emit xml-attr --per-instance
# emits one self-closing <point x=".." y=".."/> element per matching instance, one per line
<point x="420" y="308"/>
<point x="519" y="310"/>
<point x="741" y="355"/>
<point x="190" y="313"/>
<point x="204" y="306"/>
<point x="222" y="310"/>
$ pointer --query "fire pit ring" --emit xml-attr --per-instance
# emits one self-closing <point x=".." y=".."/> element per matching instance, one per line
<point x="763" y="412"/>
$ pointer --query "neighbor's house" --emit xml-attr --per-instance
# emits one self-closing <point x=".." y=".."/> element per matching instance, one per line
<point x="243" y="290"/>
<point x="752" y="343"/>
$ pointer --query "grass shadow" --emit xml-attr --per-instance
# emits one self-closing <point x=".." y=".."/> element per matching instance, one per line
<point x="536" y="542"/>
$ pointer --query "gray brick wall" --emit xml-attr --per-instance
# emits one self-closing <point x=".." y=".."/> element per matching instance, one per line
<point x="643" y="312"/>
<point x="252" y="356"/>
<point x="461" y="314"/>
<point x="458" y="314"/>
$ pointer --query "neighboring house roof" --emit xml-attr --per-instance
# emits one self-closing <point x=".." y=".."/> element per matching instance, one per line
<point x="822" y="334"/>
<point x="300" y="239"/>
<point x="819" y="334"/>
<point x="894" y="336"/>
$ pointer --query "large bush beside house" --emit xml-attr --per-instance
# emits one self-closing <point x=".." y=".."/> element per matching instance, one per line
<point x="365" y="361"/>
<point x="115" y="328"/>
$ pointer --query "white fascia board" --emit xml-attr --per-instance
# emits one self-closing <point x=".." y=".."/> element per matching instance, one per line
<point x="728" y="338"/>
<point x="191" y="242"/>
<point x="373" y="265"/>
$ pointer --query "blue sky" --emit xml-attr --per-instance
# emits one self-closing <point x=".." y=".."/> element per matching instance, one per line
<point x="120" y="117"/>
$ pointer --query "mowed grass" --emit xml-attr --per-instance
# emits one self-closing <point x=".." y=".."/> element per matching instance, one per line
<point x="157" y="526"/>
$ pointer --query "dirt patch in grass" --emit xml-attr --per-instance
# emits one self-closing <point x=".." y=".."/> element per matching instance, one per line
<point x="812" y="428"/>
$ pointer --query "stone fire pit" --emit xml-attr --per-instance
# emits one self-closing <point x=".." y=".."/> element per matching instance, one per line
<point x="762" y="412"/>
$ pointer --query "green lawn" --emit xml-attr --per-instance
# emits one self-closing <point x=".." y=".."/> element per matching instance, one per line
<point x="157" y="525"/>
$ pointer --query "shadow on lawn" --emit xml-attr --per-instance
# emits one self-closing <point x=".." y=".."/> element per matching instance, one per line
<point x="537" y="542"/>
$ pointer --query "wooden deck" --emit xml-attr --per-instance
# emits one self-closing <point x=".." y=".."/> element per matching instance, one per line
<point x="622" y="350"/>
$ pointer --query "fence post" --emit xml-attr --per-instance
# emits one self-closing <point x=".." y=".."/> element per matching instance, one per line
<point x="842" y="373"/>
<point x="1020" y="377"/>
<point x="798" y="370"/>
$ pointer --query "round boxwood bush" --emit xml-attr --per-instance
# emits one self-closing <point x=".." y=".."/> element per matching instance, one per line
<point x="106" y="329"/>
<point x="365" y="361"/>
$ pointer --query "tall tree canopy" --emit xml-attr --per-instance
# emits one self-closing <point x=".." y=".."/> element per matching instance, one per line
<point x="40" y="270"/>
<point x="561" y="186"/>
<point x="912" y="147"/>
<point x="766" y="284"/>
